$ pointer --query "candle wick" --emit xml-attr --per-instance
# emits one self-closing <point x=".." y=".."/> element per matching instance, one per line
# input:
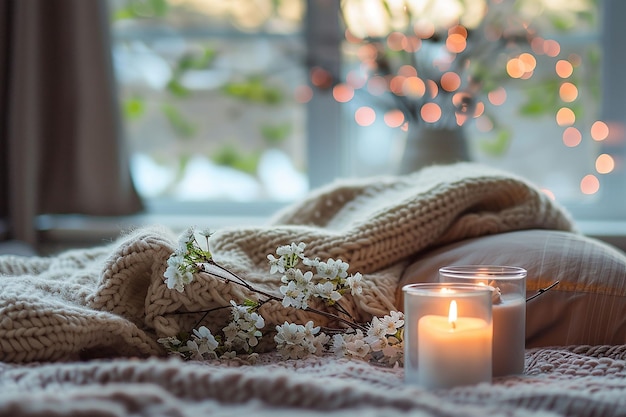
<point x="453" y="324"/>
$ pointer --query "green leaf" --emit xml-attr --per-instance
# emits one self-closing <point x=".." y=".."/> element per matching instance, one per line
<point x="230" y="156"/>
<point x="190" y="61"/>
<point x="253" y="90"/>
<point x="177" y="89"/>
<point x="276" y="133"/>
<point x="181" y="126"/>
<point x="133" y="108"/>
<point x="497" y="146"/>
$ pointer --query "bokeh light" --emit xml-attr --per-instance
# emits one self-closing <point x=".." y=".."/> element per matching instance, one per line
<point x="568" y="92"/>
<point x="430" y="112"/>
<point x="303" y="94"/>
<point x="456" y="43"/>
<point x="497" y="97"/>
<point x="321" y="78"/>
<point x="605" y="164"/>
<point x="450" y="81"/>
<point x="599" y="131"/>
<point x="394" y="118"/>
<point x="414" y="87"/>
<point x="572" y="137"/>
<point x="551" y="48"/>
<point x="565" y="117"/>
<point x="365" y="116"/>
<point x="343" y="93"/>
<point x="564" y="69"/>
<point x="589" y="184"/>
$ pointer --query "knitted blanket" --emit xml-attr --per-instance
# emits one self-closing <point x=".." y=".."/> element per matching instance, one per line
<point x="111" y="301"/>
<point x="580" y="381"/>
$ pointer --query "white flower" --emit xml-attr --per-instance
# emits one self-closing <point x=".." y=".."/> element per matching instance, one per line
<point x="205" y="335"/>
<point x="351" y="345"/>
<point x="205" y="232"/>
<point x="326" y="291"/>
<point x="355" y="283"/>
<point x="243" y="332"/>
<point x="186" y="237"/>
<point x="332" y="269"/>
<point x="298" y="289"/>
<point x="294" y="296"/>
<point x="377" y="328"/>
<point x="289" y="338"/>
<point x="292" y="249"/>
<point x="177" y="274"/>
<point x="393" y="322"/>
<point x="171" y="343"/>
<point x="276" y="264"/>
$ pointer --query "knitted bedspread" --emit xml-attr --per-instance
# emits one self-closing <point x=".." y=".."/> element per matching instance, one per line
<point x="78" y="330"/>
<point x="579" y="381"/>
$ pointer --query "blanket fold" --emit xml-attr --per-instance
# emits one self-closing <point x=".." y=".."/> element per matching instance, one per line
<point x="112" y="300"/>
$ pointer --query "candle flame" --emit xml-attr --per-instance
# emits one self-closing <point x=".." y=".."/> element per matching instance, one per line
<point x="452" y="314"/>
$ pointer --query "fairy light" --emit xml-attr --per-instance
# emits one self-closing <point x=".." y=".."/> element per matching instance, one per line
<point x="395" y="41"/>
<point x="589" y="184"/>
<point x="396" y="84"/>
<point x="605" y="164"/>
<point x="551" y="48"/>
<point x="497" y="97"/>
<point x="564" y="69"/>
<point x="430" y="112"/>
<point x="321" y="78"/>
<point x="343" y="93"/>
<point x="568" y="92"/>
<point x="450" y="81"/>
<point x="414" y="87"/>
<point x="484" y="124"/>
<point x="411" y="44"/>
<point x="365" y="116"/>
<point x="394" y="118"/>
<point x="572" y="137"/>
<point x="565" y="117"/>
<point x="303" y="94"/>
<point x="599" y="131"/>
<point x="456" y="43"/>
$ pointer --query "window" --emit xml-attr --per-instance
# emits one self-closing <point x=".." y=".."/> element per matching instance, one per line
<point x="246" y="105"/>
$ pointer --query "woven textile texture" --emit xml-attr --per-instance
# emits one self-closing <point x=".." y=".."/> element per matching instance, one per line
<point x="112" y="301"/>
<point x="580" y="381"/>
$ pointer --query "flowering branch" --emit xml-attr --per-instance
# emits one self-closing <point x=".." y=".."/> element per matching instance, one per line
<point x="303" y="279"/>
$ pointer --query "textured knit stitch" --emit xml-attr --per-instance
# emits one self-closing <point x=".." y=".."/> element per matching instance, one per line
<point x="112" y="301"/>
<point x="574" y="382"/>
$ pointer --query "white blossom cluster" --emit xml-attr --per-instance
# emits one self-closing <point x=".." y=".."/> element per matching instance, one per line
<point x="329" y="282"/>
<point x="302" y="278"/>
<point x="183" y="263"/>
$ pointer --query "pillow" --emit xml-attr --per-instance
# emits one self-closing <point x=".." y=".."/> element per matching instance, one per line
<point x="588" y="307"/>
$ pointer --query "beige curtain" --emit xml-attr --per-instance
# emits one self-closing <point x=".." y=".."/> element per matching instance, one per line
<point x="61" y="149"/>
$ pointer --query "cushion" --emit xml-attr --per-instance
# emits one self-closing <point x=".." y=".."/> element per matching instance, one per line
<point x="587" y="307"/>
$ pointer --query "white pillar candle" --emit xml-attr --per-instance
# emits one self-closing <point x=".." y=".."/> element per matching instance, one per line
<point x="453" y="350"/>
<point x="508" y="310"/>
<point x="509" y="335"/>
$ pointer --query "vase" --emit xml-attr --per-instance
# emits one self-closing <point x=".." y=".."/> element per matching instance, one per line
<point x="425" y="146"/>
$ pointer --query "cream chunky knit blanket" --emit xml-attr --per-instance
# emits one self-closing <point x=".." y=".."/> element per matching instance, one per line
<point x="59" y="314"/>
<point x="112" y="300"/>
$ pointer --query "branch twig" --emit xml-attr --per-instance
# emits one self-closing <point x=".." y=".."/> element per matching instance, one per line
<point x="542" y="290"/>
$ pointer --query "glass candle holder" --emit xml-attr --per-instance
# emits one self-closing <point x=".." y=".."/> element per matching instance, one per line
<point x="447" y="334"/>
<point x="509" y="310"/>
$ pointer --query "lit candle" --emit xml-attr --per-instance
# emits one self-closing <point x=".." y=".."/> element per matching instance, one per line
<point x="453" y="350"/>
<point x="509" y="335"/>
<point x="508" y="311"/>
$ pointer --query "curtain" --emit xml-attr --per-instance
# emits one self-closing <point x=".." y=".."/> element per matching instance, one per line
<point x="61" y="148"/>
